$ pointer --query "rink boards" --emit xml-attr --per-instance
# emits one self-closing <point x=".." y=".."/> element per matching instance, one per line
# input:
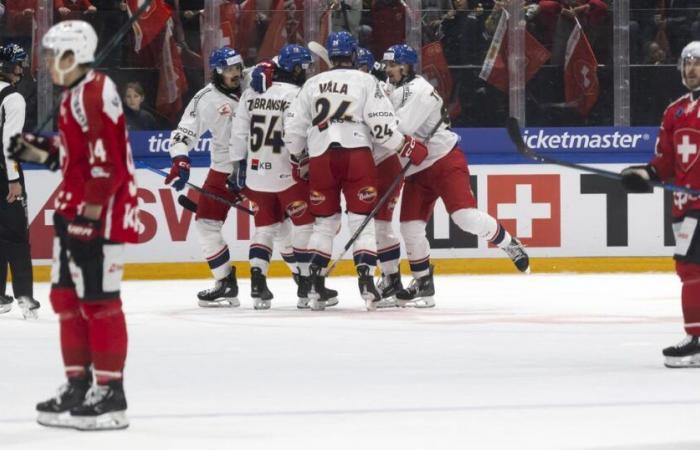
<point x="569" y="220"/>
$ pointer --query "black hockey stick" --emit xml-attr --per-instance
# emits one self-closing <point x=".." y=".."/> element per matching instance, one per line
<point x="187" y="203"/>
<point x="201" y="191"/>
<point x="514" y="133"/>
<point x="106" y="50"/>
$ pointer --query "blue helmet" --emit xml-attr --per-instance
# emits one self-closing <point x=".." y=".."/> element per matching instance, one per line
<point x="294" y="55"/>
<point x="365" y="58"/>
<point x="340" y="43"/>
<point x="224" y="57"/>
<point x="401" y="54"/>
<point x="10" y="56"/>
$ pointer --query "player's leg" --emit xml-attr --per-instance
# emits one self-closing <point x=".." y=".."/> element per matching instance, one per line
<point x="687" y="352"/>
<point x="73" y="331"/>
<point x="416" y="208"/>
<point x="98" y="284"/>
<point x="209" y="222"/>
<point x="388" y="245"/>
<point x="324" y="199"/>
<point x="360" y="190"/>
<point x="452" y="182"/>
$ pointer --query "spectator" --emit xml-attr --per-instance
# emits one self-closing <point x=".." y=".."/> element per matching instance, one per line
<point x="73" y="9"/>
<point x="677" y="20"/>
<point x="18" y="22"/>
<point x="462" y="29"/>
<point x="137" y="118"/>
<point x="346" y="15"/>
<point x="655" y="55"/>
<point x="593" y="16"/>
<point x="388" y="18"/>
<point x="642" y="28"/>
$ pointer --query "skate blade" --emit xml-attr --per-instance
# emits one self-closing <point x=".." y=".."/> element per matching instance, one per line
<point x="56" y="420"/>
<point x="115" y="420"/>
<point x="423" y="302"/>
<point x="331" y="302"/>
<point x="370" y="303"/>
<point x="262" y="304"/>
<point x="5" y="308"/>
<point x="685" y="362"/>
<point x="302" y="303"/>
<point x="220" y="303"/>
<point x="317" y="304"/>
<point x="389" y="302"/>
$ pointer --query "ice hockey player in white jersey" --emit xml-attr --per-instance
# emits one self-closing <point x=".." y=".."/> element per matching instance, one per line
<point x="211" y="109"/>
<point x="443" y="174"/>
<point x="388" y="168"/>
<point x="263" y="174"/>
<point x="341" y="115"/>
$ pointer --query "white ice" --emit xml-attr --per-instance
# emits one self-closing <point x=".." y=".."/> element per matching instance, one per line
<point x="513" y="362"/>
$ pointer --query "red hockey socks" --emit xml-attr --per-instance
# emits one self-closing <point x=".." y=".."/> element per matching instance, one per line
<point x="108" y="340"/>
<point x="690" y="296"/>
<point x="74" y="331"/>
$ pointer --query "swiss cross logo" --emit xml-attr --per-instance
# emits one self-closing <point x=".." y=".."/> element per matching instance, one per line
<point x="687" y="143"/>
<point x="529" y="206"/>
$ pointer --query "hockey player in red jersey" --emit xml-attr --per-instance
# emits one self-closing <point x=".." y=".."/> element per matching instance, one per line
<point x="443" y="174"/>
<point x="675" y="160"/>
<point x="96" y="214"/>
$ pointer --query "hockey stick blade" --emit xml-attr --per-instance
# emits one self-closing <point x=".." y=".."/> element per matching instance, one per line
<point x="513" y="129"/>
<point x="320" y="51"/>
<point x="187" y="203"/>
<point x="204" y="192"/>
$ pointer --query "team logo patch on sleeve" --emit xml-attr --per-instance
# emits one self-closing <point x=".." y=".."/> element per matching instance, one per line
<point x="367" y="194"/>
<point x="297" y="208"/>
<point x="316" y="198"/>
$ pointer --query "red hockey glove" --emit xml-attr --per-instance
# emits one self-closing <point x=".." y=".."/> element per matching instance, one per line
<point x="414" y="150"/>
<point x="84" y="241"/>
<point x="300" y="166"/>
<point x="27" y="147"/>
<point x="261" y="77"/>
<point x="180" y="172"/>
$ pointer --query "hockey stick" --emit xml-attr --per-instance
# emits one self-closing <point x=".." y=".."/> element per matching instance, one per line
<point x="194" y="187"/>
<point x="187" y="203"/>
<point x="514" y="133"/>
<point x="106" y="50"/>
<point x="320" y="51"/>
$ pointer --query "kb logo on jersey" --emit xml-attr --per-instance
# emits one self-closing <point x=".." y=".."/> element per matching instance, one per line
<point x="256" y="164"/>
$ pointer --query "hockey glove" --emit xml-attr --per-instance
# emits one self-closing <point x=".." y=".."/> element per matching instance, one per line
<point x="300" y="166"/>
<point x="261" y="77"/>
<point x="414" y="150"/>
<point x="179" y="172"/>
<point x="236" y="181"/>
<point x="27" y="147"/>
<point x="84" y="241"/>
<point x="636" y="178"/>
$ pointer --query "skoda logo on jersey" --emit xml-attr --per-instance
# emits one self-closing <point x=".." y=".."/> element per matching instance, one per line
<point x="316" y="198"/>
<point x="367" y="194"/>
<point x="296" y="208"/>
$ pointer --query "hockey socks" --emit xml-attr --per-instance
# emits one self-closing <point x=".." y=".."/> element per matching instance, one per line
<point x="75" y="345"/>
<point x="108" y="338"/>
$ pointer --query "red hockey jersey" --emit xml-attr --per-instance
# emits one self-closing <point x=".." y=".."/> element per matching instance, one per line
<point x="96" y="159"/>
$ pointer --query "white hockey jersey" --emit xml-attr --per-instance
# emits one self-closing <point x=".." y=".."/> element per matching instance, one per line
<point x="419" y="109"/>
<point x="345" y="107"/>
<point x="12" y="112"/>
<point x="257" y="137"/>
<point x="210" y="110"/>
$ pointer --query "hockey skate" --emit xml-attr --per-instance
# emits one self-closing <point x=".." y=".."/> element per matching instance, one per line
<point x="389" y="285"/>
<point x="5" y="303"/>
<point x="55" y="412"/>
<point x="224" y="293"/>
<point x="259" y="292"/>
<point x="319" y="296"/>
<point x="368" y="291"/>
<point x="516" y="252"/>
<point x="419" y="293"/>
<point x="304" y="286"/>
<point x="104" y="408"/>
<point x="684" y="354"/>
<point x="29" y="307"/>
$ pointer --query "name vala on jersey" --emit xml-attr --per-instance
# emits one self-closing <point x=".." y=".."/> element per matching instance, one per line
<point x="332" y="87"/>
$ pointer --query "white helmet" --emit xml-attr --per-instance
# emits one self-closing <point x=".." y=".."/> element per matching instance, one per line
<point x="690" y="52"/>
<point x="75" y="36"/>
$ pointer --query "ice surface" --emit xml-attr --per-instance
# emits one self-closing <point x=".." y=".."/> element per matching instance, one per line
<point x="513" y="362"/>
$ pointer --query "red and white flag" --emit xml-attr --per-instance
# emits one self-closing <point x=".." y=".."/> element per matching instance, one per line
<point x="581" y="86"/>
<point x="237" y="28"/>
<point x="172" y="83"/>
<point x="436" y="71"/>
<point x="285" y="27"/>
<point x="150" y="23"/>
<point x="495" y="68"/>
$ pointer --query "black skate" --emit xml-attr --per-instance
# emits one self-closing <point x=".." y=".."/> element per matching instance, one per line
<point x="259" y="292"/>
<point x="684" y="354"/>
<point x="419" y="293"/>
<point x="224" y="293"/>
<point x="389" y="285"/>
<point x="5" y="303"/>
<point x="55" y="412"/>
<point x="29" y="307"/>
<point x="368" y="291"/>
<point x="319" y="296"/>
<point x="104" y="408"/>
<point x="516" y="252"/>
